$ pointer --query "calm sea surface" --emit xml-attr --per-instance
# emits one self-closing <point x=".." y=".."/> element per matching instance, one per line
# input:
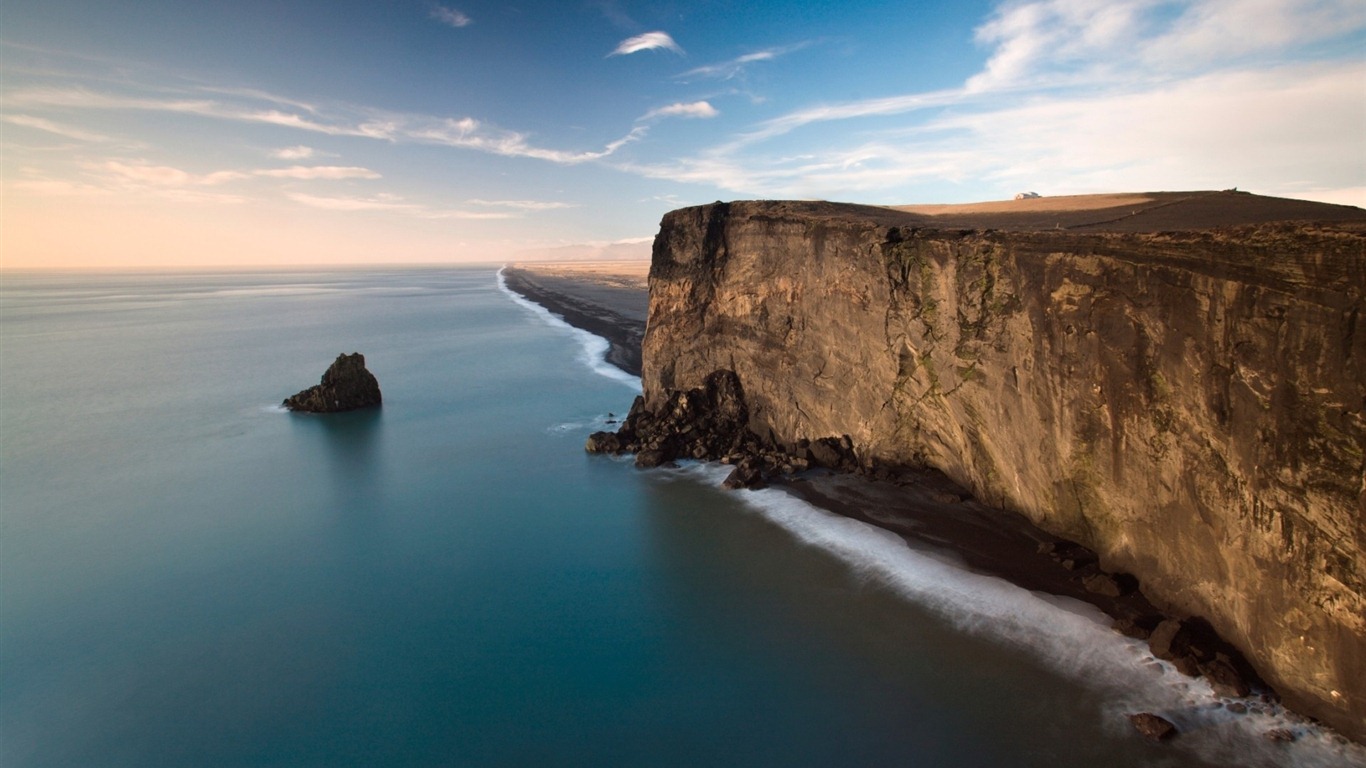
<point x="190" y="576"/>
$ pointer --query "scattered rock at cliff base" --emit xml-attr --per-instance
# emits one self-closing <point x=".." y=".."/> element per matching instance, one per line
<point x="1152" y="726"/>
<point x="1194" y="648"/>
<point x="708" y="422"/>
<point x="346" y="386"/>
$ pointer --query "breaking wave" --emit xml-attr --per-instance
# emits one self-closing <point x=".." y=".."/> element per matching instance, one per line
<point x="1072" y="638"/>
<point x="592" y="348"/>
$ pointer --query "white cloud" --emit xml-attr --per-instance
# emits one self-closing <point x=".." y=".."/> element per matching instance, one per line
<point x="330" y="172"/>
<point x="294" y="153"/>
<point x="1040" y="42"/>
<point x="451" y="17"/>
<point x="1214" y="31"/>
<point x="1245" y="129"/>
<point x="729" y="70"/>
<point x="470" y="134"/>
<point x="525" y="205"/>
<point x="166" y="176"/>
<point x="42" y="124"/>
<point x="1087" y="95"/>
<point x="381" y="203"/>
<point x="696" y="109"/>
<point x="82" y="98"/>
<point x="650" y="41"/>
<point x="392" y="204"/>
<point x="464" y="133"/>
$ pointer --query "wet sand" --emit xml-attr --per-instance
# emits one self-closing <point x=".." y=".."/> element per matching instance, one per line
<point x="609" y="299"/>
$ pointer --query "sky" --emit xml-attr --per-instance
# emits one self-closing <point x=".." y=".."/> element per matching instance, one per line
<point x="194" y="133"/>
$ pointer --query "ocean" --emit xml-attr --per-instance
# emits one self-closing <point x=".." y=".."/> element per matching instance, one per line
<point x="190" y="575"/>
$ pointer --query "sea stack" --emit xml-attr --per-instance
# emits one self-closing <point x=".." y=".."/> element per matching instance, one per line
<point x="346" y="386"/>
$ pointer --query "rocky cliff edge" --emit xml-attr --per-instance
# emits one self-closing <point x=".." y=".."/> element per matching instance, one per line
<point x="1177" y="381"/>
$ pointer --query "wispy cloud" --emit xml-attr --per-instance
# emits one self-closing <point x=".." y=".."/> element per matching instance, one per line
<point x="83" y="98"/>
<point x="308" y="172"/>
<point x="1084" y="95"/>
<point x="650" y="41"/>
<point x="379" y="203"/>
<point x="696" y="109"/>
<point x="166" y="176"/>
<point x="890" y="105"/>
<point x="463" y="133"/>
<point x="48" y="126"/>
<point x="451" y="17"/>
<point x="468" y="133"/>
<point x="294" y="153"/>
<point x="392" y="204"/>
<point x="524" y="205"/>
<point x="729" y="70"/>
<point x="1068" y="42"/>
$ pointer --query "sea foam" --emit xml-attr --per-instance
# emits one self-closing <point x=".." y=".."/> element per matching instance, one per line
<point x="1070" y="637"/>
<point x="592" y="348"/>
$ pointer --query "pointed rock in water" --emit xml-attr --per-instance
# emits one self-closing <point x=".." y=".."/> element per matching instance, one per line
<point x="1152" y="726"/>
<point x="346" y="386"/>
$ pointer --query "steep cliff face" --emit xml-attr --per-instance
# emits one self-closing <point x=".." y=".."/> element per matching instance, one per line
<point x="1192" y="406"/>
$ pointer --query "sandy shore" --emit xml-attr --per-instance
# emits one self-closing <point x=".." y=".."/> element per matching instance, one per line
<point x="610" y="299"/>
<point x="927" y="510"/>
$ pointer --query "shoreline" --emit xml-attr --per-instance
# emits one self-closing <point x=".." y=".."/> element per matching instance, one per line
<point x="932" y="514"/>
<point x="925" y="508"/>
<point x="592" y="301"/>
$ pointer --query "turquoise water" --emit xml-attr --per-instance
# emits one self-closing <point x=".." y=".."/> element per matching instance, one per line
<point x="190" y="576"/>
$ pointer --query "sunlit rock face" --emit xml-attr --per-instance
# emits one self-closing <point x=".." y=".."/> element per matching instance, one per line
<point x="1190" y="404"/>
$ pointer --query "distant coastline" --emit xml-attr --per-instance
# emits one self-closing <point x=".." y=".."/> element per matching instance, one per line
<point x="609" y="300"/>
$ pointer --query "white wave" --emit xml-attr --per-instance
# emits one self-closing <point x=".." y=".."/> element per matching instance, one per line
<point x="1071" y="637"/>
<point x="592" y="348"/>
<point x="595" y="424"/>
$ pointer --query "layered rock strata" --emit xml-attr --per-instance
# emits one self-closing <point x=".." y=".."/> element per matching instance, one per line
<point x="346" y="385"/>
<point x="1190" y="405"/>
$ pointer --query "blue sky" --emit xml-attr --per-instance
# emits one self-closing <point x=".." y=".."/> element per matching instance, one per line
<point x="192" y="133"/>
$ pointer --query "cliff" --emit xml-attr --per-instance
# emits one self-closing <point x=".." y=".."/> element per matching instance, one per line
<point x="1190" y="404"/>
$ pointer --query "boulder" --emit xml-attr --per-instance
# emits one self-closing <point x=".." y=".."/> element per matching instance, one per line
<point x="745" y="475"/>
<point x="1153" y="726"/>
<point x="1169" y="640"/>
<point x="345" y="386"/>
<point x="1224" y="677"/>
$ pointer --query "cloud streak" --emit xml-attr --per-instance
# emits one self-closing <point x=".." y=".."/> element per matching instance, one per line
<point x="346" y="122"/>
<point x="310" y="172"/>
<point x="294" y="153"/>
<point x="1083" y="95"/>
<point x="696" y="109"/>
<point x="392" y="204"/>
<point x="48" y="126"/>
<point x="524" y="205"/>
<point x="650" y="41"/>
<point x="729" y="70"/>
<point x="451" y="17"/>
